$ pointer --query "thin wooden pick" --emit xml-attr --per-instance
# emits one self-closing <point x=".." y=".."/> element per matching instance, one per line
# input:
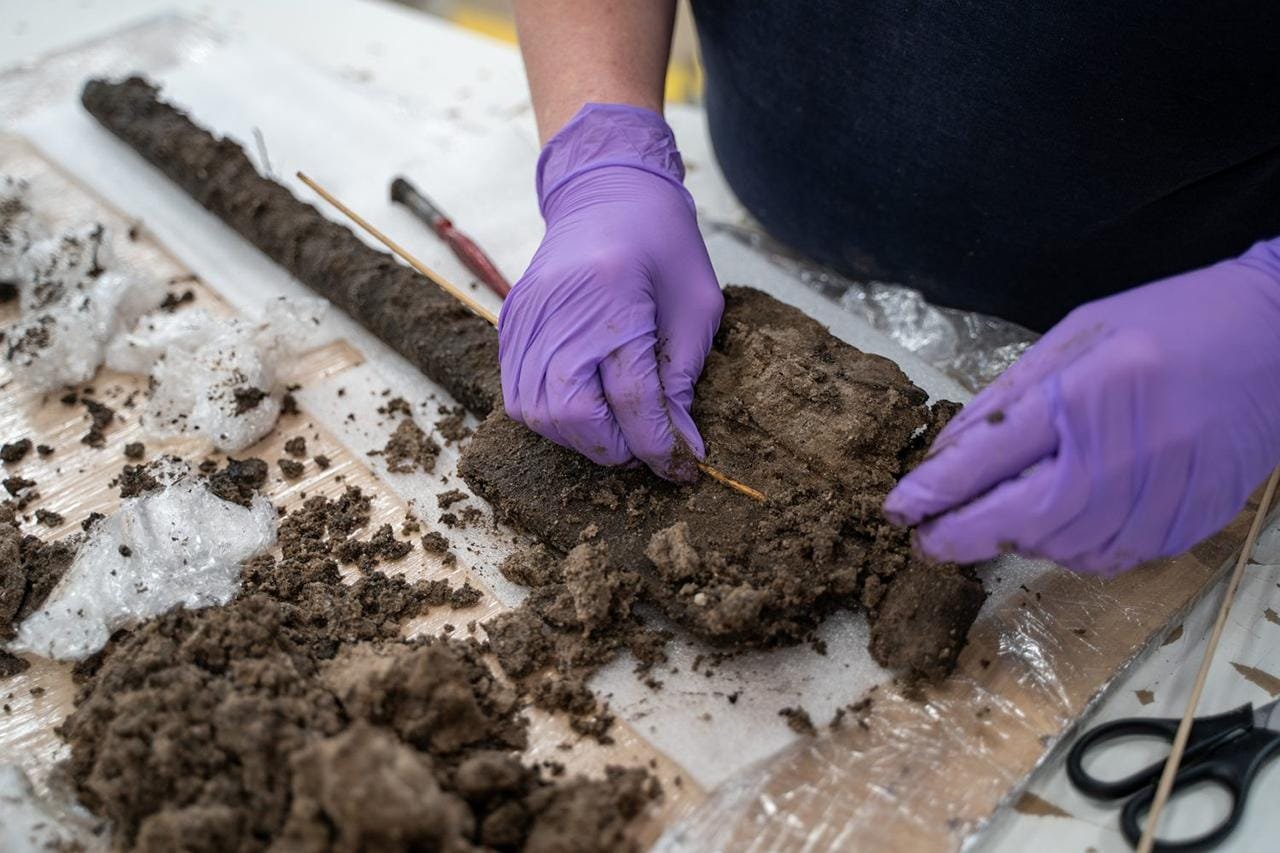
<point x="478" y="309"/>
<point x="430" y="274"/>
<point x="1165" y="788"/>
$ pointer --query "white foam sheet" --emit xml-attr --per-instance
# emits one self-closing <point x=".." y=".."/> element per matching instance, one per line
<point x="478" y="164"/>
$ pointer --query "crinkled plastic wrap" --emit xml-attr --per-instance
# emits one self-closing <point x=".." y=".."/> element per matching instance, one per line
<point x="971" y="348"/>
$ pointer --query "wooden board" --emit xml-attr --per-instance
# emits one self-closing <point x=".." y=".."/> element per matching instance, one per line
<point x="77" y="480"/>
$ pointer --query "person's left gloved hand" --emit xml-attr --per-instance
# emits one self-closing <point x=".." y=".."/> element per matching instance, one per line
<point x="1135" y="428"/>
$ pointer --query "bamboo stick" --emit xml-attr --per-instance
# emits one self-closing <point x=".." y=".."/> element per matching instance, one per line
<point x="479" y="310"/>
<point x="1165" y="787"/>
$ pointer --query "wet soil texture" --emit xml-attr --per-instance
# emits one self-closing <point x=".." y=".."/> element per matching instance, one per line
<point x="825" y="431"/>
<point x="424" y="324"/>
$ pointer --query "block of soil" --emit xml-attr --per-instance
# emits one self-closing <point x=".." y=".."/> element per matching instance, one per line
<point x="824" y="430"/>
<point x="424" y="324"/>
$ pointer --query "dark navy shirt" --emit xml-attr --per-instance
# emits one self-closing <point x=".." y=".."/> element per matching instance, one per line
<point x="1016" y="157"/>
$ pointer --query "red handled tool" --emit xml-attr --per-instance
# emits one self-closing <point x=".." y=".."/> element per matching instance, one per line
<point x="463" y="246"/>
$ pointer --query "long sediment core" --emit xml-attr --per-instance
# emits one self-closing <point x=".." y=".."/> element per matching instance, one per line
<point x="429" y="328"/>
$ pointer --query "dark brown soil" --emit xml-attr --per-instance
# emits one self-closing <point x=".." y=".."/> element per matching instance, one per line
<point x="100" y="417"/>
<point x="11" y="664"/>
<point x="410" y="449"/>
<point x="578" y="617"/>
<point x="824" y="430"/>
<point x="296" y="446"/>
<point x="295" y="718"/>
<point x="291" y="468"/>
<point x="426" y="325"/>
<point x="29" y="570"/>
<point x="135" y="450"/>
<point x="15" y="450"/>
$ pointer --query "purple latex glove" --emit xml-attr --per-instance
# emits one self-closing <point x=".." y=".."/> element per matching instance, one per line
<point x="1135" y="428"/>
<point x="603" y="337"/>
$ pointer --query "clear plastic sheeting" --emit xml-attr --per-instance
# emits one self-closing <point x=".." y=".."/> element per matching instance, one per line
<point x="215" y="377"/>
<point x="971" y="348"/>
<point x="30" y="824"/>
<point x="180" y="545"/>
<point x="927" y="768"/>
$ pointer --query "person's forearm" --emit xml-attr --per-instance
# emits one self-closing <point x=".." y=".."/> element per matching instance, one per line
<point x="584" y="51"/>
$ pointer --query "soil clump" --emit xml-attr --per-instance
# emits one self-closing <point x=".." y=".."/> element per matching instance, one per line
<point x="424" y="324"/>
<point x="410" y="449"/>
<point x="296" y="718"/>
<point x="29" y="570"/>
<point x="825" y="431"/>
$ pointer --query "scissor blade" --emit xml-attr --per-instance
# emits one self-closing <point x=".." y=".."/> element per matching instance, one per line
<point x="1267" y="716"/>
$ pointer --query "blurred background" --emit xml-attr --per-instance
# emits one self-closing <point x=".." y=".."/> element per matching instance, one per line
<point x="495" y="18"/>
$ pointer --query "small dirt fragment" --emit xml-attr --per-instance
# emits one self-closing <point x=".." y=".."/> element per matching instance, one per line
<point x="798" y="720"/>
<point x="291" y="468"/>
<point x="14" y="451"/>
<point x="410" y="449"/>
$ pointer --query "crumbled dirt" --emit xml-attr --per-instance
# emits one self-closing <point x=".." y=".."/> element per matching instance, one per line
<point x="135" y="480"/>
<point x="296" y="446"/>
<point x="798" y="720"/>
<point x="247" y="398"/>
<point x="823" y="429"/>
<point x="15" y="485"/>
<point x="29" y="570"/>
<point x="424" y="324"/>
<point x="447" y="499"/>
<point x="291" y="468"/>
<point x="434" y="542"/>
<point x="396" y="406"/>
<point x="11" y="664"/>
<point x="295" y="718"/>
<point x="100" y="417"/>
<point x="452" y="426"/>
<point x="381" y="546"/>
<point x="578" y="617"/>
<point x="15" y="450"/>
<point x="289" y="405"/>
<point x="49" y="518"/>
<point x="44" y="450"/>
<point x="172" y="301"/>
<point x="464" y="597"/>
<point x="135" y="450"/>
<point x="410" y="449"/>
<point x="239" y="480"/>
<point x="322" y="461"/>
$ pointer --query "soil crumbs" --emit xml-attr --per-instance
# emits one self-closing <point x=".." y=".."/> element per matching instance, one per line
<point x="295" y="717"/>
<point x="410" y="449"/>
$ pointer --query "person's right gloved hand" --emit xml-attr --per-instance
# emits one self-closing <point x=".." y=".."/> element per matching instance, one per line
<point x="603" y="337"/>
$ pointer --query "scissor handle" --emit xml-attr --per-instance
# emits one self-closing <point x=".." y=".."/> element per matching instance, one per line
<point x="1206" y="733"/>
<point x="1232" y="766"/>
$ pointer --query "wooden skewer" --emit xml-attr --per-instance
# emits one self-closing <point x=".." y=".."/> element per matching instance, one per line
<point x="430" y="274"/>
<point x="1165" y="787"/>
<point x="479" y="310"/>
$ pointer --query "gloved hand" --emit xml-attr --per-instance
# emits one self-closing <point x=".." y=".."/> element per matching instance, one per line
<point x="603" y="337"/>
<point x="1135" y="428"/>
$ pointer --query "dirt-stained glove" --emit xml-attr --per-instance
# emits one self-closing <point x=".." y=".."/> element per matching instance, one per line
<point x="1135" y="428"/>
<point x="603" y="337"/>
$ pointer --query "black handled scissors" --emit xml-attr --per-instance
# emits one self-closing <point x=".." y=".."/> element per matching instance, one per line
<point x="1226" y="750"/>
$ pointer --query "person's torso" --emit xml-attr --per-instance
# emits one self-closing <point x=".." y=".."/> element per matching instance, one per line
<point x="1013" y="156"/>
